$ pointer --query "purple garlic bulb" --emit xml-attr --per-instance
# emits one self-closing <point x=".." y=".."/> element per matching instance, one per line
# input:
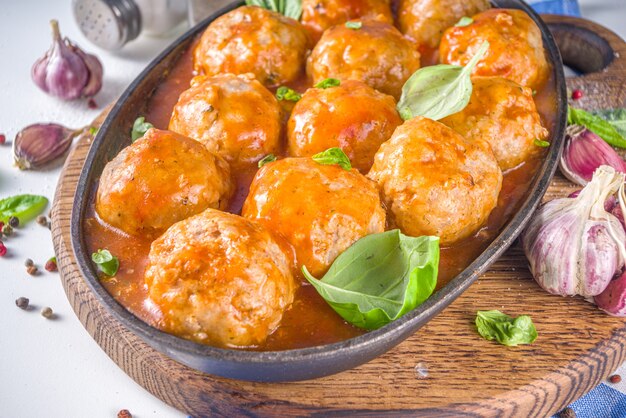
<point x="66" y="71"/>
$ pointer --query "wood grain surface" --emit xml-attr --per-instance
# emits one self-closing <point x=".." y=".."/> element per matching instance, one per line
<point x="462" y="374"/>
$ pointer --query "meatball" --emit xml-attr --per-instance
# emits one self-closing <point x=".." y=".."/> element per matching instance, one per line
<point x="253" y="40"/>
<point x="515" y="46"/>
<point x="426" y="20"/>
<point x="434" y="182"/>
<point x="352" y="116"/>
<point x="320" y="209"/>
<point x="376" y="54"/>
<point x="159" y="180"/>
<point x="503" y="113"/>
<point x="220" y="279"/>
<point x="319" y="15"/>
<point x="233" y="116"/>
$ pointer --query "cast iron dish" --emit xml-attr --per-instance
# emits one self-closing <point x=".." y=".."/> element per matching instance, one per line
<point x="305" y="363"/>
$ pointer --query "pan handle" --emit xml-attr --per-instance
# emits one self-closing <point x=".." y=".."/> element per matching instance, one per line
<point x="598" y="54"/>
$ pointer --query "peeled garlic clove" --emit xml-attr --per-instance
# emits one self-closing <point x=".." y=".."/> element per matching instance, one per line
<point x="613" y="299"/>
<point x="40" y="144"/>
<point x="584" y="152"/>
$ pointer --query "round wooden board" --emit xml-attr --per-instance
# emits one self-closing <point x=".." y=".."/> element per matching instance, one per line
<point x="578" y="345"/>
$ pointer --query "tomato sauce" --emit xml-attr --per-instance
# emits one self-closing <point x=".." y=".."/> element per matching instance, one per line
<point x="309" y="321"/>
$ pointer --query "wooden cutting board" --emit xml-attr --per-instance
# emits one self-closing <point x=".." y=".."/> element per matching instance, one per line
<point x="445" y="369"/>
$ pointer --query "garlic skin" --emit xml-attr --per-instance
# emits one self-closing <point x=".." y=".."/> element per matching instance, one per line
<point x="613" y="299"/>
<point x="573" y="245"/>
<point x="584" y="152"/>
<point x="41" y="143"/>
<point x="65" y="71"/>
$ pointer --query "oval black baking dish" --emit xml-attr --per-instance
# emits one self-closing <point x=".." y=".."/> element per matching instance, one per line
<point x="310" y="362"/>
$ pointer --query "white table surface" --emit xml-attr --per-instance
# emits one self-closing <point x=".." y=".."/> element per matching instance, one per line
<point x="53" y="367"/>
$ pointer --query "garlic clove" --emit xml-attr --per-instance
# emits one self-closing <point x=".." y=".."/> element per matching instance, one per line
<point x="613" y="299"/>
<point x="599" y="256"/>
<point x="584" y="152"/>
<point x="41" y="143"/>
<point x="95" y="70"/>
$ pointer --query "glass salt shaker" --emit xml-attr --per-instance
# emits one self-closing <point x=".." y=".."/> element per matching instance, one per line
<point x="111" y="24"/>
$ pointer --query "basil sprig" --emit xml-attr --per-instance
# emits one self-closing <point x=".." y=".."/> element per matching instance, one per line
<point x="289" y="8"/>
<point x="24" y="206"/>
<point x="285" y="93"/>
<point x="616" y="117"/>
<point x="597" y="125"/>
<point x="380" y="278"/>
<point x="333" y="156"/>
<point x="495" y="325"/>
<point x="140" y="127"/>
<point x="106" y="262"/>
<point x="464" y="21"/>
<point x="438" y="91"/>
<point x="328" y="82"/>
<point x="269" y="158"/>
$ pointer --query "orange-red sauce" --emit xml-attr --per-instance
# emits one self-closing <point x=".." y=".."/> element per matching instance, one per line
<point x="310" y="321"/>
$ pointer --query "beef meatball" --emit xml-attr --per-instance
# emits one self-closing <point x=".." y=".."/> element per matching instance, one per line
<point x="233" y="116"/>
<point x="253" y="40"/>
<point x="515" y="46"/>
<point x="319" y="15"/>
<point x="503" y="113"/>
<point x="376" y="54"/>
<point x="320" y="209"/>
<point x="434" y="182"/>
<point x="426" y="20"/>
<point x="352" y="116"/>
<point x="220" y="279"/>
<point x="159" y="180"/>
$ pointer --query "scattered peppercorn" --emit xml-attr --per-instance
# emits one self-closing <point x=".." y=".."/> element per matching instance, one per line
<point x="22" y="303"/>
<point x="42" y="220"/>
<point x="14" y="221"/>
<point x="577" y="94"/>
<point x="32" y="270"/>
<point x="47" y="312"/>
<point x="567" y="413"/>
<point x="91" y="104"/>
<point x="51" y="265"/>
<point x="3" y="139"/>
<point x="28" y="262"/>
<point x="3" y="249"/>
<point x="124" y="413"/>
<point x="616" y="378"/>
<point x="7" y="230"/>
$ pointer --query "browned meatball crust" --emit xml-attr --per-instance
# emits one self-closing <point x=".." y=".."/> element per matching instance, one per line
<point x="159" y="180"/>
<point x="253" y="40"/>
<point x="351" y="116"/>
<point x="220" y="279"/>
<point x="434" y="182"/>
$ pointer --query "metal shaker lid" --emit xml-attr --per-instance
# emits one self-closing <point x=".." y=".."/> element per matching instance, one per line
<point x="110" y="24"/>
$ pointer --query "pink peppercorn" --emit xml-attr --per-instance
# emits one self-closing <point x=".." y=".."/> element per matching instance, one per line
<point x="3" y="250"/>
<point x="577" y="94"/>
<point x="3" y="139"/>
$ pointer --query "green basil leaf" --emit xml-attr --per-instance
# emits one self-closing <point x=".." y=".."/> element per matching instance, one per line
<point x="267" y="159"/>
<point x="106" y="262"/>
<point x="541" y="143"/>
<point x="93" y="130"/>
<point x="380" y="278"/>
<point x="140" y="127"/>
<point x="616" y="117"/>
<point x="354" y="25"/>
<point x="438" y="91"/>
<point x="597" y="125"/>
<point x="333" y="156"/>
<point x="289" y="8"/>
<point x="464" y="21"/>
<point x="329" y="82"/>
<point x="24" y="206"/>
<point x="285" y="93"/>
<point x="494" y="325"/>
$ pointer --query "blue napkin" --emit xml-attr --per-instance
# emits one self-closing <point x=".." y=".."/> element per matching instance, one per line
<point x="559" y="7"/>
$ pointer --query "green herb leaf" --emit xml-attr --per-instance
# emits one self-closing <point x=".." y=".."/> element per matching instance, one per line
<point x="93" y="130"/>
<point x="267" y="159"/>
<point x="289" y="8"/>
<point x="541" y="143"/>
<point x="597" y="125"/>
<point x="380" y="278"/>
<point x="285" y="93"/>
<point x="329" y="82"/>
<point x="464" y="21"/>
<point x="494" y="325"/>
<point x="140" y="127"/>
<point x="333" y="156"/>
<point x="438" y="91"/>
<point x="354" y="25"/>
<point x="24" y="206"/>
<point x="106" y="262"/>
<point x="616" y="117"/>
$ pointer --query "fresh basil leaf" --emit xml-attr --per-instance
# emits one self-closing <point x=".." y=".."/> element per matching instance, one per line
<point x="438" y="91"/>
<point x="494" y="325"/>
<point x="541" y="143"/>
<point x="93" y="130"/>
<point x="616" y="117"/>
<point x="106" y="262"/>
<point x="24" y="206"/>
<point x="285" y="93"/>
<point x="267" y="159"/>
<point x="380" y="278"/>
<point x="464" y="21"/>
<point x="329" y="82"/>
<point x="597" y="125"/>
<point x="333" y="156"/>
<point x="289" y="8"/>
<point x="354" y="25"/>
<point x="140" y="127"/>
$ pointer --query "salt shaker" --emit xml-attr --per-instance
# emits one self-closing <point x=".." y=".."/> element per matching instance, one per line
<point x="111" y="24"/>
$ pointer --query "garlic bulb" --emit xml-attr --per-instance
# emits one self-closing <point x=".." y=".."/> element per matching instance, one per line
<point x="573" y="245"/>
